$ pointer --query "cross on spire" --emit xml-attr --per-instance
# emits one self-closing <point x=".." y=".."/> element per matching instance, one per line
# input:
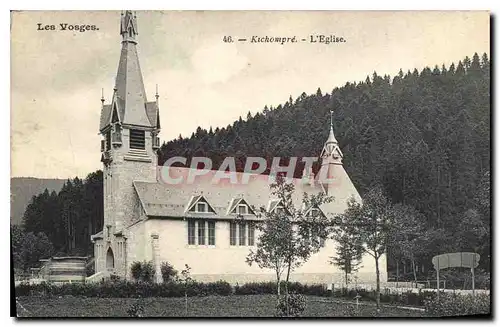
<point x="331" y="143"/>
<point x="128" y="26"/>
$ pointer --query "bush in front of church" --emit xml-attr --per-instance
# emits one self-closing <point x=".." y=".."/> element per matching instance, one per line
<point x="458" y="305"/>
<point x="143" y="271"/>
<point x="295" y="308"/>
<point x="168" y="273"/>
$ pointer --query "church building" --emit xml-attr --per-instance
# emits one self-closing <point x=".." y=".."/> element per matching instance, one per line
<point x="146" y="219"/>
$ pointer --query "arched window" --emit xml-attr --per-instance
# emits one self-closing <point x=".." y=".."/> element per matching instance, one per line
<point x="110" y="259"/>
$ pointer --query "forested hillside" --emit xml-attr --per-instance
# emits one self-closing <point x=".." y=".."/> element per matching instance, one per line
<point x="424" y="135"/>
<point x="66" y="219"/>
<point x="22" y="189"/>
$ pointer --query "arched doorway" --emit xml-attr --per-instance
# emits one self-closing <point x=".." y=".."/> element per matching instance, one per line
<point x="110" y="260"/>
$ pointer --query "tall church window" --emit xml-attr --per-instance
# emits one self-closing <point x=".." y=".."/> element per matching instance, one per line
<point x="251" y="234"/>
<point x="232" y="233"/>
<point x="137" y="139"/>
<point x="191" y="232"/>
<point x="211" y="233"/>
<point x="243" y="232"/>
<point x="198" y="230"/>
<point x="201" y="232"/>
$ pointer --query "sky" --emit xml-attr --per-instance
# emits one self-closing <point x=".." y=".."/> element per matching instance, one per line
<point x="57" y="76"/>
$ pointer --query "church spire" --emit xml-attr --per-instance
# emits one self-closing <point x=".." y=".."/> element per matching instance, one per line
<point x="128" y="26"/>
<point x="331" y="162"/>
<point x="130" y="96"/>
<point x="331" y="152"/>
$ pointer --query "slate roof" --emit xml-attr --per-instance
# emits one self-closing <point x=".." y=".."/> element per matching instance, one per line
<point x="152" y="112"/>
<point x="130" y="95"/>
<point x="105" y="116"/>
<point x="167" y="200"/>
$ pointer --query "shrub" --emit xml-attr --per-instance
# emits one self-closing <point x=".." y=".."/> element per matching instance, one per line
<point x="114" y="277"/>
<point x="123" y="288"/>
<point x="143" y="271"/>
<point x="136" y="309"/>
<point x="148" y="272"/>
<point x="296" y="305"/>
<point x="168" y="273"/>
<point x="136" y="270"/>
<point x="23" y="289"/>
<point x="256" y="288"/>
<point x="483" y="279"/>
<point x="458" y="305"/>
<point x="219" y="288"/>
<point x="90" y="269"/>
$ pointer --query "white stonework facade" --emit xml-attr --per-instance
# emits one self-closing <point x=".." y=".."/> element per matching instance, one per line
<point x="146" y="219"/>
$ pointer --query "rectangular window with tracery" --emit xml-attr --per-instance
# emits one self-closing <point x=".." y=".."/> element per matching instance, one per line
<point x="191" y="232"/>
<point x="243" y="232"/>
<point x="232" y="233"/>
<point x="211" y="233"/>
<point x="201" y="232"/>
<point x="251" y="233"/>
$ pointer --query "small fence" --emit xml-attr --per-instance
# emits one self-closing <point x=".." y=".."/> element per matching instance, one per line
<point x="386" y="289"/>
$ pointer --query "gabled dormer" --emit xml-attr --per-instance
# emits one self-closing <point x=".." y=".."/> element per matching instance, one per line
<point x="198" y="204"/>
<point x="238" y="206"/>
<point x="276" y="206"/>
<point x="314" y="211"/>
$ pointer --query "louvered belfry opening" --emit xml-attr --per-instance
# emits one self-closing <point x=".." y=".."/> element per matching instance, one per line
<point x="137" y="139"/>
<point x="108" y="140"/>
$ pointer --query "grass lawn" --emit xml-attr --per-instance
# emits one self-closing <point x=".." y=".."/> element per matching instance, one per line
<point x="210" y="306"/>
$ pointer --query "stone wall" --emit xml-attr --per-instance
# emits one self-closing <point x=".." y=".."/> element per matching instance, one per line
<point x="127" y="166"/>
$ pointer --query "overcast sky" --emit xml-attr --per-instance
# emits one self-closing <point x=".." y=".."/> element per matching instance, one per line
<point x="57" y="76"/>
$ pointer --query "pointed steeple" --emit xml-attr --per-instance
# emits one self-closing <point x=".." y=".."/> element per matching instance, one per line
<point x="128" y="26"/>
<point x="331" y="152"/>
<point x="130" y="96"/>
<point x="331" y="171"/>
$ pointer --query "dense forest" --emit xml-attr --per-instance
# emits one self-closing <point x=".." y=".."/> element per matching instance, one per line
<point x="423" y="135"/>
<point x="60" y="223"/>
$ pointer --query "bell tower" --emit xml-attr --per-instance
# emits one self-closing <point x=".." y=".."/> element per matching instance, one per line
<point x="129" y="126"/>
<point x="331" y="158"/>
